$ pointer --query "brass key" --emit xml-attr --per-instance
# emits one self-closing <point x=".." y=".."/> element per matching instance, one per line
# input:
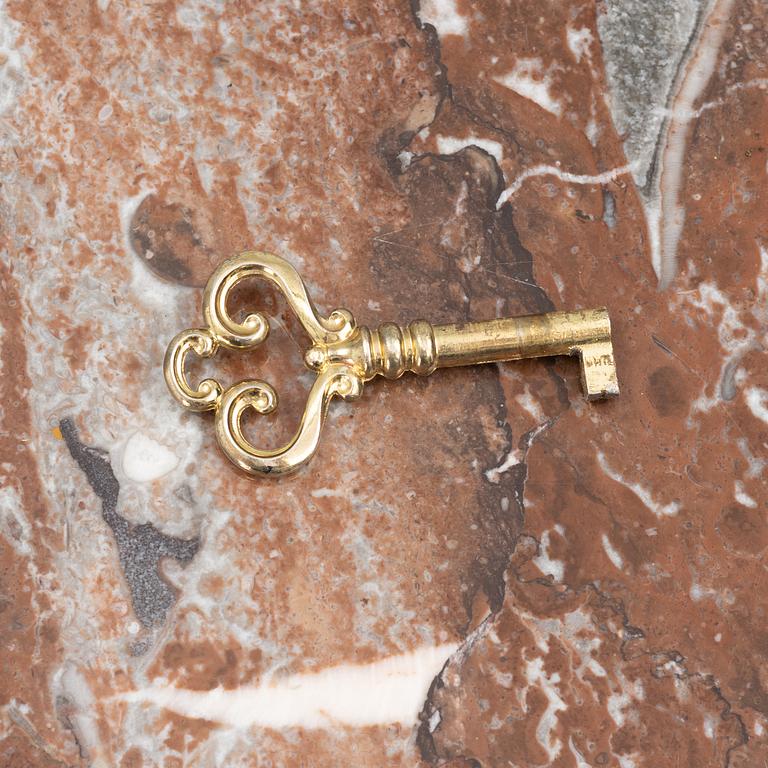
<point x="345" y="355"/>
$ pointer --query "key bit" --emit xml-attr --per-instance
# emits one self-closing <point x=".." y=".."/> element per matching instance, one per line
<point x="345" y="355"/>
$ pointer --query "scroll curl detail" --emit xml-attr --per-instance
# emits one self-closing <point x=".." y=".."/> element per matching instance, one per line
<point x="338" y="326"/>
<point x="202" y="342"/>
<point x="258" y="395"/>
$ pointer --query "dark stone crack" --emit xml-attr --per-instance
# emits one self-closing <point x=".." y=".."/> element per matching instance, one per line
<point x="489" y="125"/>
<point x="727" y="712"/>
<point x="140" y="547"/>
<point x="632" y="635"/>
<point x="507" y="270"/>
<point x="424" y="740"/>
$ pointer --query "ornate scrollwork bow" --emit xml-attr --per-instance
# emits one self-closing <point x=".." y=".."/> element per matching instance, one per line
<point x="231" y="404"/>
<point x="342" y="354"/>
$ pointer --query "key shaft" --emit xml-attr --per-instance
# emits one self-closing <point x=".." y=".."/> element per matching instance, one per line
<point x="586" y="333"/>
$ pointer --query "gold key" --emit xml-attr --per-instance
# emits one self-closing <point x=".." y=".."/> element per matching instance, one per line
<point x="345" y="355"/>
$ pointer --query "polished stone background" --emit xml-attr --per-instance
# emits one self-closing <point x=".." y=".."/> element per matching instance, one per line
<point x="477" y="569"/>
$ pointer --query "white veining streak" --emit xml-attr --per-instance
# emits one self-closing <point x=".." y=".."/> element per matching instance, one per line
<point x="144" y="459"/>
<point x="74" y="686"/>
<point x="670" y="215"/>
<point x="660" y="510"/>
<point x="529" y="80"/>
<point x="612" y="553"/>
<point x="571" y="178"/>
<point x="391" y="690"/>
<point x="450" y="145"/>
<point x="443" y="16"/>
<point x="742" y="497"/>
<point x="757" y="83"/>
<point x="757" y="400"/>
<point x="12" y="80"/>
<point x="548" y="565"/>
<point x="512" y="459"/>
<point x="534" y="672"/>
<point x="579" y="41"/>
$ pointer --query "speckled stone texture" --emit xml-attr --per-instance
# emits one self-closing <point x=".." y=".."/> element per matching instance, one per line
<point x="555" y="582"/>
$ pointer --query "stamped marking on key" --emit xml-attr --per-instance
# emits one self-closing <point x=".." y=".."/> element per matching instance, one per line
<point x="345" y="355"/>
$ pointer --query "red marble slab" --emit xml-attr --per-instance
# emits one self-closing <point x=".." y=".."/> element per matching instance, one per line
<point x="552" y="582"/>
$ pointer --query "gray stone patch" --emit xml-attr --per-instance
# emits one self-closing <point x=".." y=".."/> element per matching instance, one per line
<point x="609" y="208"/>
<point x="644" y="44"/>
<point x="140" y="547"/>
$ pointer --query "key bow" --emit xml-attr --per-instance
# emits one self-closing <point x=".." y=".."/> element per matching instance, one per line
<point x="334" y="377"/>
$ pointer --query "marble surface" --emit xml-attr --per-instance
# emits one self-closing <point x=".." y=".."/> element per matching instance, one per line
<point x="477" y="569"/>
